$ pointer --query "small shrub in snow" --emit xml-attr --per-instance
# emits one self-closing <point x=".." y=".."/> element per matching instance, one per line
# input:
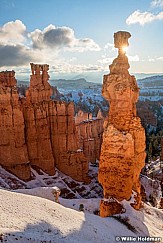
<point x="96" y="212"/>
<point x="81" y="207"/>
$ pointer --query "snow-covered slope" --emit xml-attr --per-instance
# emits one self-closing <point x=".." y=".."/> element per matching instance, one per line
<point x="69" y="187"/>
<point x="26" y="218"/>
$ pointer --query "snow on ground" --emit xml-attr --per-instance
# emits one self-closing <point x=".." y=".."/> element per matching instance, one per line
<point x="40" y="219"/>
<point x="155" y="169"/>
<point x="90" y="205"/>
<point x="26" y="218"/>
<point x="146" y="220"/>
<point x="152" y="187"/>
<point x="41" y="228"/>
<point x="151" y="181"/>
<point x="69" y="187"/>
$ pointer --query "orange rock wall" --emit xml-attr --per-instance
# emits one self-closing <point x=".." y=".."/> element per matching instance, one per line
<point x="13" y="148"/>
<point x="37" y="130"/>
<point x="36" y="117"/>
<point x="68" y="158"/>
<point x="90" y="138"/>
<point x="82" y="116"/>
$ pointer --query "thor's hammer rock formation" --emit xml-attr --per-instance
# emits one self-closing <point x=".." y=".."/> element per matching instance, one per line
<point x="123" y="148"/>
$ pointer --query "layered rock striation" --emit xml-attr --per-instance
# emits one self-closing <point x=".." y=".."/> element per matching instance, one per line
<point x="13" y="147"/>
<point x="37" y="130"/>
<point x="90" y="132"/>
<point x="122" y="152"/>
<point x="37" y="120"/>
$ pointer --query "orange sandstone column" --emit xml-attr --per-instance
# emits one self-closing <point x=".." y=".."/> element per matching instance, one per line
<point x="123" y="148"/>
<point x="13" y="148"/>
<point x="36" y="115"/>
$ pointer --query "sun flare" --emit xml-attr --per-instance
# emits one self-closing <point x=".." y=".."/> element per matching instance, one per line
<point x="125" y="48"/>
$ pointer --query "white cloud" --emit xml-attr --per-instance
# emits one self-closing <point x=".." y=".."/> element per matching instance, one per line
<point x="133" y="58"/>
<point x="151" y="59"/>
<point x="13" y="48"/>
<point x="81" y="45"/>
<point x="109" y="45"/>
<point x="157" y="3"/>
<point x="143" y="18"/>
<point x="19" y="47"/>
<point x="160" y="58"/>
<point x="52" y="37"/>
<point x="17" y="55"/>
<point x="13" y="32"/>
<point x="106" y="60"/>
<point x="73" y="59"/>
<point x="61" y="37"/>
<point x="109" y="60"/>
<point x="76" y="68"/>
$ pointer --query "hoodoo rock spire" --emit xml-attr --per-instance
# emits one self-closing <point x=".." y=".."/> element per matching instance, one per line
<point x="123" y="148"/>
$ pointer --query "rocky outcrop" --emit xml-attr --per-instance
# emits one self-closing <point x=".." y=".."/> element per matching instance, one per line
<point x="38" y="130"/>
<point x="50" y="129"/>
<point x="68" y="157"/>
<point x="122" y="152"/>
<point x="90" y="136"/>
<point x="36" y="117"/>
<point x="82" y="116"/>
<point x="13" y="149"/>
<point x="110" y="205"/>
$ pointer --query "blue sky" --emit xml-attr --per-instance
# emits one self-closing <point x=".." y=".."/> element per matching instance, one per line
<point x="75" y="37"/>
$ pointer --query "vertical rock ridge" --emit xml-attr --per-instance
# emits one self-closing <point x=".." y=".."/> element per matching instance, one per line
<point x="36" y="119"/>
<point x="122" y="152"/>
<point x="90" y="134"/>
<point x="13" y="149"/>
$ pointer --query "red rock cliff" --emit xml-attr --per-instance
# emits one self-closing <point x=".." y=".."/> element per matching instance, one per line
<point x="122" y="152"/>
<point x="37" y="121"/>
<point x="37" y="130"/>
<point x="50" y="129"/>
<point x="13" y="149"/>
<point x="68" y="157"/>
<point x="90" y="134"/>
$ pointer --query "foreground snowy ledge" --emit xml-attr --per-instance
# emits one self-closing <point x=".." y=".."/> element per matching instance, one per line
<point x="25" y="218"/>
